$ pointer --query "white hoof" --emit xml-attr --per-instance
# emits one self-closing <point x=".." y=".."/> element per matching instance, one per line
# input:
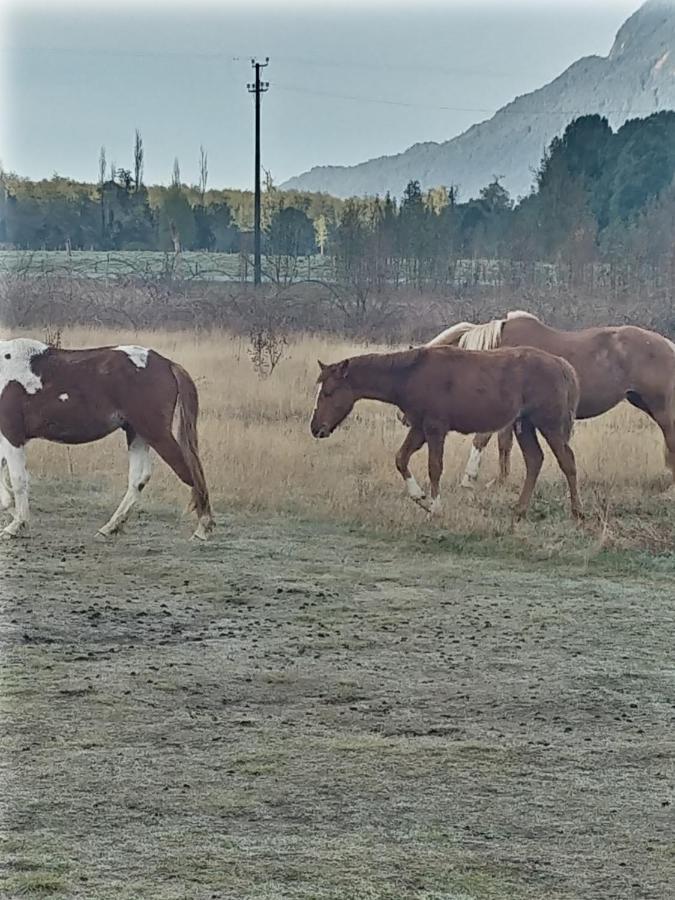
<point x="14" y="529"/>
<point x="206" y="525"/>
<point x="436" y="507"/>
<point x="108" y="530"/>
<point x="468" y="482"/>
<point x="424" y="502"/>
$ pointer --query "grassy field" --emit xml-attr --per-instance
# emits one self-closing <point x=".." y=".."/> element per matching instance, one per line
<point x="335" y="699"/>
<point x="260" y="457"/>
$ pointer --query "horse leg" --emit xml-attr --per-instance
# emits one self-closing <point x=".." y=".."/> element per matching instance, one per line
<point x="169" y="449"/>
<point x="565" y="457"/>
<point x="140" y="469"/>
<point x="480" y="442"/>
<point x="505" y="442"/>
<point x="413" y="442"/>
<point x="436" y="444"/>
<point x="533" y="456"/>
<point x="15" y="458"/>
<point x="665" y="419"/>
<point x="662" y="411"/>
<point x="6" y="495"/>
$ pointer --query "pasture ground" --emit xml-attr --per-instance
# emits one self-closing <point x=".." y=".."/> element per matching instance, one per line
<point x="315" y="710"/>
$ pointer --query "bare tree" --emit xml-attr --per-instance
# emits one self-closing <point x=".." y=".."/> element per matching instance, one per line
<point x="138" y="160"/>
<point x="101" y="166"/>
<point x="203" y="172"/>
<point x="113" y="170"/>
<point x="175" y="177"/>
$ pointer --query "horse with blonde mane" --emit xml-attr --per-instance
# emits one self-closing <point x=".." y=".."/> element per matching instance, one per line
<point x="80" y="396"/>
<point x="442" y="389"/>
<point x="612" y="363"/>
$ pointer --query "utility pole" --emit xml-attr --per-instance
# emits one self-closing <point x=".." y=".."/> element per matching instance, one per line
<point x="258" y="87"/>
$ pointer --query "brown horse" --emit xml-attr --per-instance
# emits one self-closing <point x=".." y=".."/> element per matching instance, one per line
<point x="79" y="396"/>
<point x="612" y="364"/>
<point x="443" y="389"/>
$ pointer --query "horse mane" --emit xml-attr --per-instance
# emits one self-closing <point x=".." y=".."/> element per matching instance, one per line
<point x="451" y="336"/>
<point x="484" y="336"/>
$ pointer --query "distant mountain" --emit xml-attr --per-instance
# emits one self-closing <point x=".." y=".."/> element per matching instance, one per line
<point x="635" y="80"/>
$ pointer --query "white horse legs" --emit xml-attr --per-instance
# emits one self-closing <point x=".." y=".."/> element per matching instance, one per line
<point x="480" y="442"/>
<point x="6" y="495"/>
<point x="140" y="469"/>
<point x="15" y="459"/>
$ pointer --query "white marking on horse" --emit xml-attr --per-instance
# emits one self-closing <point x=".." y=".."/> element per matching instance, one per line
<point x="15" y="457"/>
<point x="138" y="355"/>
<point x="6" y="495"/>
<point x="15" y="360"/>
<point x="472" y="468"/>
<point x="63" y="397"/>
<point x="140" y="469"/>
<point x="316" y="397"/>
<point x="414" y="490"/>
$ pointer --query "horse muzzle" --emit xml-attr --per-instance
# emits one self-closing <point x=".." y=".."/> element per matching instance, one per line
<point x="320" y="431"/>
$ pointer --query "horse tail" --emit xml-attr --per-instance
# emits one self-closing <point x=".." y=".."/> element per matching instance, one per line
<point x="187" y="409"/>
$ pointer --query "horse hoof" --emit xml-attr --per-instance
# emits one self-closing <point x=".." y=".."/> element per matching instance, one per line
<point x="669" y="493"/>
<point x="468" y="483"/>
<point x="11" y="532"/>
<point x="424" y="503"/>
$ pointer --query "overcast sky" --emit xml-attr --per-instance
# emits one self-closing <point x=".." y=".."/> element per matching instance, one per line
<point x="348" y="81"/>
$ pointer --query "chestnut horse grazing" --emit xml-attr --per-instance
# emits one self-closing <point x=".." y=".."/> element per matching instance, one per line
<point x="79" y="396"/>
<point x="442" y="389"/>
<point x="612" y="364"/>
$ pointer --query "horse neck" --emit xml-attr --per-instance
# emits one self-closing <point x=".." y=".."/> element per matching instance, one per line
<point x="375" y="377"/>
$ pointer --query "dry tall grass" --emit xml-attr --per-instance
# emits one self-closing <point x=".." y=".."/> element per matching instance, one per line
<point x="260" y="456"/>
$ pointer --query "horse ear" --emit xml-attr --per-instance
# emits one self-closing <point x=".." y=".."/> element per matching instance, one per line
<point x="322" y="366"/>
<point x="341" y="369"/>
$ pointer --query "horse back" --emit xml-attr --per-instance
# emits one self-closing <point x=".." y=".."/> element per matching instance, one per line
<point x="87" y="394"/>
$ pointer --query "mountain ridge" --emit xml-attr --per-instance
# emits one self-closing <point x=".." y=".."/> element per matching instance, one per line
<point x="635" y="79"/>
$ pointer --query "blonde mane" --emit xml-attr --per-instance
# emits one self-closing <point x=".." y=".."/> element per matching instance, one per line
<point x="486" y="336"/>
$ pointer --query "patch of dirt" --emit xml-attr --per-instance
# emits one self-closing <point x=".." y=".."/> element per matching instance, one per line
<point x="305" y="711"/>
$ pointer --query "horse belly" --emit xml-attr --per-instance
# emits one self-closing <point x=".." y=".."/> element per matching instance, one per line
<point x="67" y="421"/>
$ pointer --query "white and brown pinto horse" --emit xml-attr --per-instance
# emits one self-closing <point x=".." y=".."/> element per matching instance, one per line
<point x="442" y="389"/>
<point x="612" y="364"/>
<point x="79" y="396"/>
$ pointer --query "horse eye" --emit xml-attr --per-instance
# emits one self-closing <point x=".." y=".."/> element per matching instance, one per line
<point x="8" y="355"/>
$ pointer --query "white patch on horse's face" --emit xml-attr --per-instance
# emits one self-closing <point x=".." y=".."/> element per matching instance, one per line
<point x="15" y="360"/>
<point x="316" y="399"/>
<point x="63" y="397"/>
<point x="138" y="355"/>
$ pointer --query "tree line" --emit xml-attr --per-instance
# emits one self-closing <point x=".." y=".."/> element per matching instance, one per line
<point x="598" y="195"/>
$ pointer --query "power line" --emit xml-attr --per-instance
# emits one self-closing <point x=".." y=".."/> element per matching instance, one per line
<point x="481" y="109"/>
